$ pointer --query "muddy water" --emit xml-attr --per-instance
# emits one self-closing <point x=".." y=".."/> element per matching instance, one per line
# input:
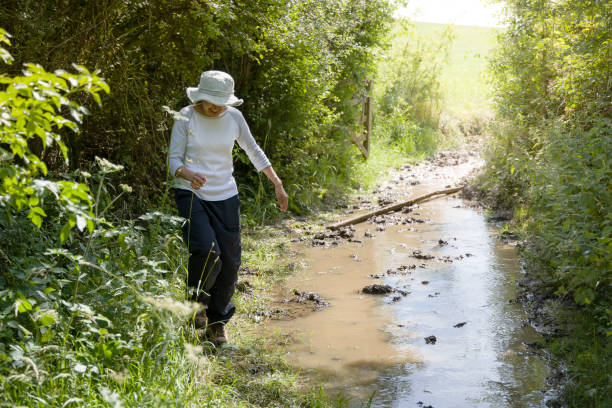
<point x="374" y="345"/>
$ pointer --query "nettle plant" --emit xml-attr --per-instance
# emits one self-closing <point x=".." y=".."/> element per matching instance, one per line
<point x="34" y="108"/>
<point x="37" y="106"/>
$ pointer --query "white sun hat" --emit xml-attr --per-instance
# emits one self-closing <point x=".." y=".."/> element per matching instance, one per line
<point x="216" y="87"/>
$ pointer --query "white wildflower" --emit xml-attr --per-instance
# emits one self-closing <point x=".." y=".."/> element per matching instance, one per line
<point x="126" y="188"/>
<point x="175" y="115"/>
<point x="180" y="308"/>
<point x="106" y="166"/>
<point x="111" y="397"/>
<point x="195" y="354"/>
<point x="118" y="377"/>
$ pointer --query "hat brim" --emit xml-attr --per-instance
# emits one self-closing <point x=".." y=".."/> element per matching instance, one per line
<point x="195" y="95"/>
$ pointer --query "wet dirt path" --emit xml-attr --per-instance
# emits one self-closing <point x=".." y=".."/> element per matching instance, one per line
<point x="447" y="334"/>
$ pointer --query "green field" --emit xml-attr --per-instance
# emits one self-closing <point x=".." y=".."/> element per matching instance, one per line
<point x="464" y="81"/>
<point x="459" y="53"/>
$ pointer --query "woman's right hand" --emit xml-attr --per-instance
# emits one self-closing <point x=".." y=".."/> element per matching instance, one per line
<point x="197" y="179"/>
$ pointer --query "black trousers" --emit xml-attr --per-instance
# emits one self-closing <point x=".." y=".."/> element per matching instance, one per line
<point x="212" y="235"/>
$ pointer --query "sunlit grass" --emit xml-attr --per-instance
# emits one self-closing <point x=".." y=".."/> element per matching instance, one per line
<point x="465" y="83"/>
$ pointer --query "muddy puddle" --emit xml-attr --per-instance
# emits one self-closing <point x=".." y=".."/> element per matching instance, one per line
<point x="445" y="332"/>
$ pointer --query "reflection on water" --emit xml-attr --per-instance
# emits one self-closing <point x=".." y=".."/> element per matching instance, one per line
<point x="364" y="344"/>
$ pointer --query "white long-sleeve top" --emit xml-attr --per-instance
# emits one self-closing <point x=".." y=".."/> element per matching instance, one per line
<point x="204" y="145"/>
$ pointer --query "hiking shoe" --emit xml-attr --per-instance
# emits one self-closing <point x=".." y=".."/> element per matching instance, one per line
<point x="199" y="320"/>
<point x="217" y="334"/>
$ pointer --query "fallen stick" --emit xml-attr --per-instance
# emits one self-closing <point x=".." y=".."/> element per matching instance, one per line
<point x="392" y="207"/>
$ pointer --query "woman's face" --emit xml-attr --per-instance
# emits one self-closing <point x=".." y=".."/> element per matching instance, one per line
<point x="209" y="109"/>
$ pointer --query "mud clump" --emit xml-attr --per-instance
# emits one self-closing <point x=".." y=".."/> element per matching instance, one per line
<point x="378" y="219"/>
<point x="346" y="233"/>
<point x="323" y="243"/>
<point x="327" y="237"/>
<point x="244" y="287"/>
<point x="419" y="255"/>
<point x="412" y="220"/>
<point x="303" y="297"/>
<point x="385" y="201"/>
<point x="377" y="289"/>
<point x="274" y="314"/>
<point x="402" y="270"/>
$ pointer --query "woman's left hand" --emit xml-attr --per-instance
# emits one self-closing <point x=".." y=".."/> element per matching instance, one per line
<point x="279" y="190"/>
<point x="281" y="196"/>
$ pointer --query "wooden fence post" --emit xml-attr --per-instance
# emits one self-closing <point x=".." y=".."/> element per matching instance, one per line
<point x="362" y="141"/>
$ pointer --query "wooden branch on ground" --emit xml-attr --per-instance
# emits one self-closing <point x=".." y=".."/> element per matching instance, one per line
<point x="393" y="207"/>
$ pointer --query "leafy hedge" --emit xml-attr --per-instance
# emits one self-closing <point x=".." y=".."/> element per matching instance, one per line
<point x="550" y="160"/>
<point x="296" y="64"/>
<point x="553" y="151"/>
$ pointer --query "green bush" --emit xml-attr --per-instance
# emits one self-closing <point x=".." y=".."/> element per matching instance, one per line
<point x="407" y="94"/>
<point x="411" y="75"/>
<point x="550" y="160"/>
<point x="57" y="298"/>
<point x="570" y="206"/>
<point x="32" y="109"/>
<point x="551" y="150"/>
<point x="403" y="133"/>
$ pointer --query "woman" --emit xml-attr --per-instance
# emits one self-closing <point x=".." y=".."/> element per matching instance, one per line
<point x="200" y="159"/>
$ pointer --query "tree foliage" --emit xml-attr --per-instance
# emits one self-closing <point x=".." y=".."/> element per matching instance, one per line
<point x="551" y="156"/>
<point x="297" y="64"/>
<point x="554" y="89"/>
<point x="32" y="109"/>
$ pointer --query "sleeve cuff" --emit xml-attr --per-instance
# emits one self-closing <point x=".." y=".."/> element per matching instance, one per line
<point x="263" y="165"/>
<point x="173" y="167"/>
